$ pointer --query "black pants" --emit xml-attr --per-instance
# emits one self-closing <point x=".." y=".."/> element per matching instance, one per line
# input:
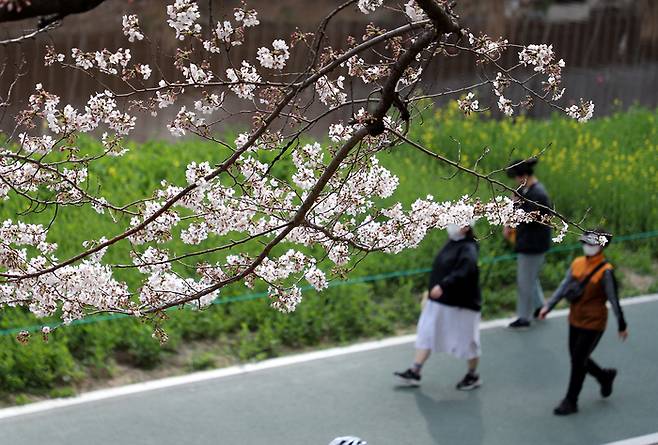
<point x="581" y="345"/>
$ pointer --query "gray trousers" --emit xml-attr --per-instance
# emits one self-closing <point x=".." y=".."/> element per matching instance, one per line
<point x="530" y="294"/>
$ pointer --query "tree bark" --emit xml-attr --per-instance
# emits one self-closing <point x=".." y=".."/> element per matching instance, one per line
<point x="40" y="8"/>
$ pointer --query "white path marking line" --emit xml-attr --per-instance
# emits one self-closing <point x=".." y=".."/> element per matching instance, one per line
<point x="649" y="439"/>
<point x="252" y="367"/>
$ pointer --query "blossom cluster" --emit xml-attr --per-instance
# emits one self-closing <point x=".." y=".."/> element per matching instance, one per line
<point x="29" y="177"/>
<point x="248" y="17"/>
<point x="105" y="61"/>
<point x="72" y="289"/>
<point x="410" y="76"/>
<point x="162" y="287"/>
<point x="232" y="34"/>
<point x="287" y="265"/>
<point x="21" y="234"/>
<point x="144" y="70"/>
<point x="469" y="104"/>
<point x="414" y="12"/>
<point x="101" y="108"/>
<point x="52" y="56"/>
<point x="164" y="96"/>
<point x="243" y="80"/>
<point x="368" y="73"/>
<point x="486" y="48"/>
<point x="368" y="6"/>
<point x="285" y="300"/>
<point x="582" y="112"/>
<point x="330" y="92"/>
<point x="224" y="31"/>
<point x="131" y="28"/>
<point x="274" y="59"/>
<point x="160" y="229"/>
<point x="183" y="15"/>
<point x="209" y="103"/>
<point x="541" y="58"/>
<point x="196" y="75"/>
<point x="185" y="121"/>
<point x="339" y="132"/>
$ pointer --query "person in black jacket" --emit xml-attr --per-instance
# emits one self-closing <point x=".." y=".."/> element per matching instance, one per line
<point x="450" y="320"/>
<point x="532" y="241"/>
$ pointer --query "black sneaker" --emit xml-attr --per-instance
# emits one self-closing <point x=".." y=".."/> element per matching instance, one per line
<point x="565" y="408"/>
<point x="535" y="314"/>
<point x="606" y="382"/>
<point x="409" y="377"/>
<point x="519" y="325"/>
<point x="469" y="382"/>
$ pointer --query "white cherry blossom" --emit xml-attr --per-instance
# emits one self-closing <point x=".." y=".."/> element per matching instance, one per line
<point x="274" y="59"/>
<point x="183" y="15"/>
<point x="368" y="6"/>
<point x="243" y="80"/>
<point x="131" y="28"/>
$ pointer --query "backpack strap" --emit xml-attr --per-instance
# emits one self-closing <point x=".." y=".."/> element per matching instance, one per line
<point x="592" y="273"/>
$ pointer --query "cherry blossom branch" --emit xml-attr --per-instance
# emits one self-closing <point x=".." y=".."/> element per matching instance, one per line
<point x="374" y="128"/>
<point x="230" y="161"/>
<point x="486" y="177"/>
<point x="297" y="220"/>
<point x="30" y="35"/>
<point x="323" y="204"/>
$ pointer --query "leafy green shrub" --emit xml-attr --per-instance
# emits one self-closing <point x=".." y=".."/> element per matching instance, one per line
<point x="247" y="346"/>
<point x="498" y="303"/>
<point x="138" y="347"/>
<point x="35" y="365"/>
<point x="208" y="324"/>
<point x="202" y="361"/>
<point x="93" y="347"/>
<point x="61" y="392"/>
<point x="639" y="259"/>
<point x="22" y="399"/>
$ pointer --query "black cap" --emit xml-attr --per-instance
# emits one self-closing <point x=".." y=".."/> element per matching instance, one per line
<point x="521" y="167"/>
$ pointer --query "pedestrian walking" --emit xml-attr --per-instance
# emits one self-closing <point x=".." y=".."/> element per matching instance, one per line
<point x="589" y="283"/>
<point x="450" y="320"/>
<point x="531" y="242"/>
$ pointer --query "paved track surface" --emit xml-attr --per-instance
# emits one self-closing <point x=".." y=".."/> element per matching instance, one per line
<point x="525" y="375"/>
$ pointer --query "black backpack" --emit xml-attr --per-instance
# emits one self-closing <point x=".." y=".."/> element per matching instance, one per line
<point x="575" y="289"/>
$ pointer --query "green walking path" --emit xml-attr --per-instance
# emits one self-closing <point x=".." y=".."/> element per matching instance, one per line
<point x="525" y="374"/>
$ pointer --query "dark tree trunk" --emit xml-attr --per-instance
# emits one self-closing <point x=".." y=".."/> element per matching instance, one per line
<point x="42" y="8"/>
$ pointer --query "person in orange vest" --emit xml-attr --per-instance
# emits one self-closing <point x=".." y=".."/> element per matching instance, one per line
<point x="589" y="283"/>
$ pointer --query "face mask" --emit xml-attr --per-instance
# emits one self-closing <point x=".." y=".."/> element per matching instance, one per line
<point x="454" y="232"/>
<point x="590" y="250"/>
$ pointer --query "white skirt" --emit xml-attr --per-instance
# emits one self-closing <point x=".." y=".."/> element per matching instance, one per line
<point x="449" y="329"/>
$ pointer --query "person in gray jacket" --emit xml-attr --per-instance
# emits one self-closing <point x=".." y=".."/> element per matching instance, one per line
<point x="532" y="241"/>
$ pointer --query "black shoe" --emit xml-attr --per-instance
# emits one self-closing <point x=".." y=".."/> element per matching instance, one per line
<point x="565" y="408"/>
<point x="519" y="324"/>
<point x="469" y="382"/>
<point x="606" y="382"/>
<point x="535" y="314"/>
<point x="409" y="377"/>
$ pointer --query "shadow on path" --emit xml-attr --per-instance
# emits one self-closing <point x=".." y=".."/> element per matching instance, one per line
<point x="454" y="417"/>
